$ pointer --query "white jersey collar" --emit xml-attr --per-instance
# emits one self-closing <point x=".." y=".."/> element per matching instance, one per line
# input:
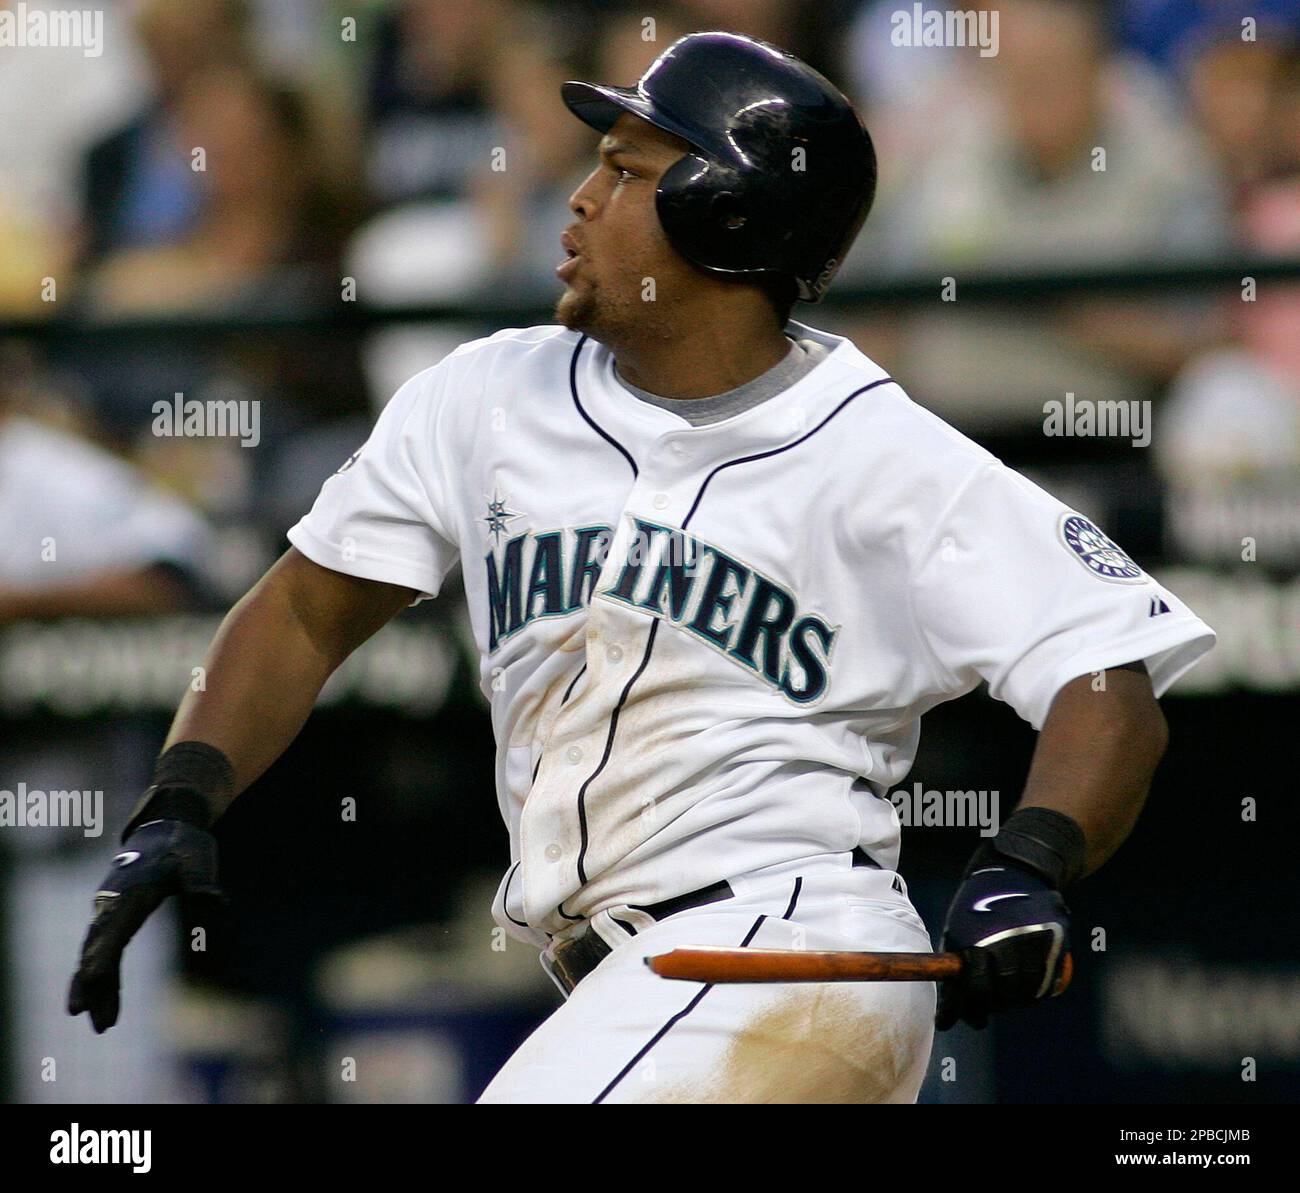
<point x="795" y="410"/>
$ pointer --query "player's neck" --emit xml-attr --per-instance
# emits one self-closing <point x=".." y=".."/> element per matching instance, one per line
<point x="702" y="361"/>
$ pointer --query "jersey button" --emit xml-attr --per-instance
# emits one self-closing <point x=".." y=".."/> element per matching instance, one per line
<point x="553" y="853"/>
<point x="574" y="754"/>
<point x="660" y="501"/>
<point x="614" y="653"/>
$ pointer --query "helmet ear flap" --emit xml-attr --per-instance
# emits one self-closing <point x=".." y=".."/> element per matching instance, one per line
<point x="703" y="210"/>
<point x="725" y="209"/>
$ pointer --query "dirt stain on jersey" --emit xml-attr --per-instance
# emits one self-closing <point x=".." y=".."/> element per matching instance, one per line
<point x="814" y="1046"/>
<point x="537" y="716"/>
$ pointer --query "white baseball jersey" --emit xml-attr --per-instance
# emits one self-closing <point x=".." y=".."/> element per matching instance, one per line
<point x="708" y="648"/>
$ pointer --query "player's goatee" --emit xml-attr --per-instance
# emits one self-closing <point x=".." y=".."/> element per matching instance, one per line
<point x="573" y="312"/>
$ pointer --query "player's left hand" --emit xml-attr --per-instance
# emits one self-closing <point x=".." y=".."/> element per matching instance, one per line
<point x="1013" y="932"/>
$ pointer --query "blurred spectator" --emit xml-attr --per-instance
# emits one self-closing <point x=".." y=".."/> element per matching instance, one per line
<point x="268" y="231"/>
<point x="430" y="130"/>
<point x="909" y="96"/>
<point x="1231" y="84"/>
<point x="428" y="117"/>
<point x="266" y="242"/>
<point x="889" y="79"/>
<point x="521" y="199"/>
<point x="1272" y="220"/>
<point x="1163" y="29"/>
<point x="139" y="187"/>
<point x="1234" y="412"/>
<point x="57" y="102"/>
<point x="1007" y="177"/>
<point x="81" y="534"/>
<point x="1012" y="178"/>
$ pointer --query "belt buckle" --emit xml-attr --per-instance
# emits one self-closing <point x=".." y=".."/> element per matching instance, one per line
<point x="560" y="968"/>
<point x="573" y="959"/>
<point x="552" y="972"/>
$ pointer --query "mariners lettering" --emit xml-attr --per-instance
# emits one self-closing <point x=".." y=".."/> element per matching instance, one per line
<point x="542" y="575"/>
<point x="747" y="616"/>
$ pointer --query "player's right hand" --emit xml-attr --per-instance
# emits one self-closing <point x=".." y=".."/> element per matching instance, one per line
<point x="158" y="859"/>
<point x="1012" y="930"/>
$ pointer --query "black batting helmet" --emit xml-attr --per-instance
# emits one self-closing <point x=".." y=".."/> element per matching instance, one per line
<point x="781" y="173"/>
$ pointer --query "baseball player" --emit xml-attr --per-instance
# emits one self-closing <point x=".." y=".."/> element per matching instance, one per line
<point x="718" y="566"/>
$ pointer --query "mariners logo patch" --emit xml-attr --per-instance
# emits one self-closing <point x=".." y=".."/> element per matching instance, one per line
<point x="1097" y="551"/>
<point x="499" y="516"/>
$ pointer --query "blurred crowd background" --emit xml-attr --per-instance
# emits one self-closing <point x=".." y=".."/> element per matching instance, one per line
<point x="202" y="208"/>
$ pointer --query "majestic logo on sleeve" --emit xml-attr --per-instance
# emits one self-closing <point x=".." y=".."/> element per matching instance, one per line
<point x="1097" y="551"/>
<point x="746" y="616"/>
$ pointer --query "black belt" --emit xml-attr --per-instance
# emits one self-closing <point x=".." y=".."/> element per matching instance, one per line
<point x="573" y="959"/>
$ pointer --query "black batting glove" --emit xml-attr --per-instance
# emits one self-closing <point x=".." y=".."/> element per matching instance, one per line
<point x="158" y="859"/>
<point x="1012" y="929"/>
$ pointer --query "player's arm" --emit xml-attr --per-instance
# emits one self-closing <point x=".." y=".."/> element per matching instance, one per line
<point x="264" y="669"/>
<point x="271" y="657"/>
<point x="1014" y="588"/>
<point x="1092" y="768"/>
<point x="1096" y="755"/>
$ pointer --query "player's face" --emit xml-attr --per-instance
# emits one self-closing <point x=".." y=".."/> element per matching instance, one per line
<point x="622" y="278"/>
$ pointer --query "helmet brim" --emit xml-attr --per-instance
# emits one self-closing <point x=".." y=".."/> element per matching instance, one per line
<point x="601" y="106"/>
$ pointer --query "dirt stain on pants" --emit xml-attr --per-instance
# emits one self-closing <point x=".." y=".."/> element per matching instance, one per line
<point x="820" y="1044"/>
